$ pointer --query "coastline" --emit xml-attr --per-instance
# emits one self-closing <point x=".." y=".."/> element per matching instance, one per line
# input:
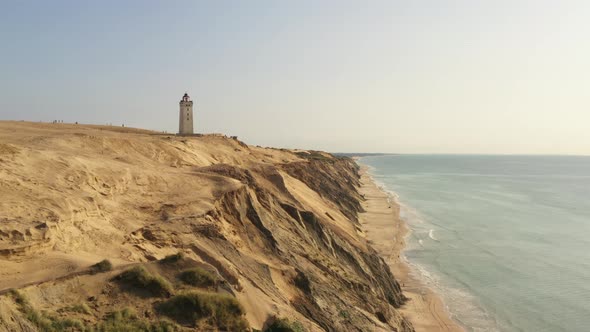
<point x="386" y="231"/>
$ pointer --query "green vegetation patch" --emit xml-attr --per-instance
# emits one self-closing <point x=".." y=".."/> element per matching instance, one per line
<point x="102" y="266"/>
<point x="344" y="314"/>
<point x="302" y="282"/>
<point x="127" y="321"/>
<point x="18" y="298"/>
<point x="204" y="309"/>
<point x="44" y="321"/>
<point x="140" y="278"/>
<point x="172" y="259"/>
<point x="118" y="321"/>
<point x="285" y="325"/>
<point x="314" y="155"/>
<point x="198" y="277"/>
<point x="79" y="308"/>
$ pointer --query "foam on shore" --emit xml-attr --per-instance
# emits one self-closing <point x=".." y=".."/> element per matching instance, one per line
<point x="390" y="233"/>
<point x="459" y="303"/>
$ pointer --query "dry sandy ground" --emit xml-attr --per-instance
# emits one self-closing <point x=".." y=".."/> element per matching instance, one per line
<point x="386" y="232"/>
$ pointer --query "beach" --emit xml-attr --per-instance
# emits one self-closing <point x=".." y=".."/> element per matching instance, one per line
<point x="385" y="230"/>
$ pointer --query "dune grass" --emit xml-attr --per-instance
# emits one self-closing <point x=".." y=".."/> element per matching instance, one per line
<point x="140" y="278"/>
<point x="205" y="309"/>
<point x="102" y="266"/>
<point x="82" y="308"/>
<point x="126" y="320"/>
<point x="172" y="259"/>
<point x="44" y="321"/>
<point x="198" y="277"/>
<point x="285" y="325"/>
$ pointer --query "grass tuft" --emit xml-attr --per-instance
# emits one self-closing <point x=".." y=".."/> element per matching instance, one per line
<point x="18" y="298"/>
<point x="198" y="277"/>
<point x="126" y="320"/>
<point x="201" y="309"/>
<point x="102" y="266"/>
<point x="302" y="282"/>
<point x="141" y="278"/>
<point x="79" y="308"/>
<point x="44" y="321"/>
<point x="172" y="259"/>
<point x="285" y="325"/>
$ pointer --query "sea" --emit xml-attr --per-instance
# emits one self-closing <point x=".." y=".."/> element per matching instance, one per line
<point x="505" y="240"/>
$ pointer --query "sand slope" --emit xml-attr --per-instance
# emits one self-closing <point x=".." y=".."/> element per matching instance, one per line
<point x="279" y="227"/>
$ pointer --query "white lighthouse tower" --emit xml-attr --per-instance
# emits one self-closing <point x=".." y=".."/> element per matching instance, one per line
<point x="185" y="123"/>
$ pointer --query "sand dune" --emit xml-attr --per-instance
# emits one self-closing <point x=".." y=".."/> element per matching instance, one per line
<point x="279" y="227"/>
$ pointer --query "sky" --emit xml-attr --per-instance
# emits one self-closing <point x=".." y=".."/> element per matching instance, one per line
<point x="485" y="77"/>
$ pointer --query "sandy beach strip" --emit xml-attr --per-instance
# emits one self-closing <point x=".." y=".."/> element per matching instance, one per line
<point x="386" y="232"/>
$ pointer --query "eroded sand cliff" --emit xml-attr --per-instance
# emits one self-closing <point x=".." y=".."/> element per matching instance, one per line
<point x="278" y="228"/>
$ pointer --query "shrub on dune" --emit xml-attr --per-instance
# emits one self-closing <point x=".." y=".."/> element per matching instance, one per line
<point x="102" y="266"/>
<point x="172" y="259"/>
<point x="198" y="277"/>
<point x="141" y="278"/>
<point x="285" y="325"/>
<point x="198" y="308"/>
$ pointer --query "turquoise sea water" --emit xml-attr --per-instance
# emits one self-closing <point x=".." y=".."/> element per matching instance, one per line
<point x="504" y="239"/>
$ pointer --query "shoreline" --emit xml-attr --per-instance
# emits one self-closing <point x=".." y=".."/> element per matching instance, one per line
<point x="386" y="232"/>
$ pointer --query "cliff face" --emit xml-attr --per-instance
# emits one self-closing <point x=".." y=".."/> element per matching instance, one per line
<point x="279" y="229"/>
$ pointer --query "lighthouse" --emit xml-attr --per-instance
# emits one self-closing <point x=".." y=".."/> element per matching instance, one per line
<point x="185" y="123"/>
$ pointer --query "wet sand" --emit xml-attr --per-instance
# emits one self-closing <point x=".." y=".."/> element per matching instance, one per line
<point x="386" y="232"/>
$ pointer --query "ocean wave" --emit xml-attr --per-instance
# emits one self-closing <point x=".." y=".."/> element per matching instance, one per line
<point x="464" y="309"/>
<point x="431" y="235"/>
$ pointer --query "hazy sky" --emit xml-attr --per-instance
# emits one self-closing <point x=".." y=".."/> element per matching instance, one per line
<point x="364" y="76"/>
